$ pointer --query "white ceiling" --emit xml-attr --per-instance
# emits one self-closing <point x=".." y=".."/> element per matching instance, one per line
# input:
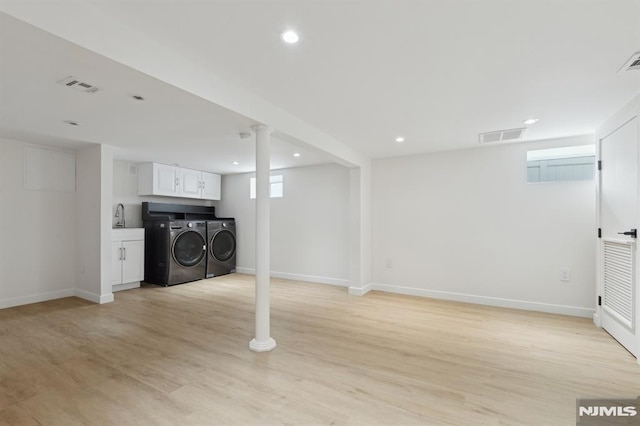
<point x="436" y="72"/>
<point x="170" y="126"/>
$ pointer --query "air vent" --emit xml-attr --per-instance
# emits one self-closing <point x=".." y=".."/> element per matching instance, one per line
<point x="77" y="84"/>
<point x="501" y="135"/>
<point x="632" y="64"/>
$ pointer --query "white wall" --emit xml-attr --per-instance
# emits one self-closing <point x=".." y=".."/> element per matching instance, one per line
<point x="125" y="191"/>
<point x="465" y="225"/>
<point x="309" y="225"/>
<point x="37" y="248"/>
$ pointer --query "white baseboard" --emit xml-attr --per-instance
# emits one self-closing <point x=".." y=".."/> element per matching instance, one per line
<point x="106" y="298"/>
<point x="52" y="295"/>
<point x="360" y="291"/>
<point x="596" y="319"/>
<point x="298" y="277"/>
<point x="36" y="298"/>
<point x="490" y="301"/>
<point x="127" y="286"/>
<point x="94" y="297"/>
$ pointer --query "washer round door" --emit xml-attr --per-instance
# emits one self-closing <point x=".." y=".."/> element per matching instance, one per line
<point x="223" y="246"/>
<point x="187" y="249"/>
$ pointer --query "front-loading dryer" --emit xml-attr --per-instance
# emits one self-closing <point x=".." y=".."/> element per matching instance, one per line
<point x="177" y="251"/>
<point x="221" y="247"/>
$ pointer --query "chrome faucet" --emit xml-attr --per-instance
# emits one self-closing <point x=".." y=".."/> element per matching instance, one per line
<point x="120" y="215"/>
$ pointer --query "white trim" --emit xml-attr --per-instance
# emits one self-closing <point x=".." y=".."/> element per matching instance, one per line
<point x="298" y="277"/>
<point x="575" y="311"/>
<point x="619" y="119"/>
<point x="93" y="297"/>
<point x="267" y="346"/>
<point x="360" y="291"/>
<point x="36" y="298"/>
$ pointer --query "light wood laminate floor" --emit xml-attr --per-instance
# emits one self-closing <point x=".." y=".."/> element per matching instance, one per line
<point x="179" y="356"/>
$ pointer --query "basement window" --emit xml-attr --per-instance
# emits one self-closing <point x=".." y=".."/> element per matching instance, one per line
<point x="276" y="190"/>
<point x="561" y="164"/>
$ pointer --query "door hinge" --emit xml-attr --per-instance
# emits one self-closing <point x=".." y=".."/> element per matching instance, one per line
<point x="599" y="232"/>
<point x="599" y="164"/>
<point x="599" y="300"/>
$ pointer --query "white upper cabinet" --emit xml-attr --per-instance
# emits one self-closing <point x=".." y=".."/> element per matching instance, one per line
<point x="210" y="186"/>
<point x="165" y="179"/>
<point x="190" y="183"/>
<point x="173" y="181"/>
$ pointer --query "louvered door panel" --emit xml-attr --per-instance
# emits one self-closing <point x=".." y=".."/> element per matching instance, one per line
<point x="619" y="271"/>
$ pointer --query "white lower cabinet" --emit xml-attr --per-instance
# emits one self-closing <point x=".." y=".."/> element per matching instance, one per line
<point x="127" y="258"/>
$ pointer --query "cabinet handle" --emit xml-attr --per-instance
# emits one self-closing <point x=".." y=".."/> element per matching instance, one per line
<point x="120" y="254"/>
<point x="202" y="184"/>
<point x="177" y="181"/>
<point x="124" y="251"/>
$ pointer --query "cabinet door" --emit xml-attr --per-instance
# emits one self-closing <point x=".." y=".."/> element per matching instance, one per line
<point x="116" y="262"/>
<point x="165" y="180"/>
<point x="190" y="183"/>
<point x="133" y="262"/>
<point x="210" y="186"/>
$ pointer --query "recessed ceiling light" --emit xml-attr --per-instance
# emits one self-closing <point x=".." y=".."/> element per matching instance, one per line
<point x="137" y="97"/>
<point x="296" y="154"/>
<point x="71" y="123"/>
<point x="290" y="37"/>
<point x="530" y="121"/>
<point x="399" y="139"/>
<point x="235" y="163"/>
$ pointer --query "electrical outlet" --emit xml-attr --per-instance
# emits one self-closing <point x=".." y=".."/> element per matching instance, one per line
<point x="565" y="274"/>
<point x="388" y="263"/>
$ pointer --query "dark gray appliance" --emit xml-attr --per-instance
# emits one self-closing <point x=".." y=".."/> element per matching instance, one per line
<point x="175" y="251"/>
<point x="221" y="247"/>
<point x="175" y="242"/>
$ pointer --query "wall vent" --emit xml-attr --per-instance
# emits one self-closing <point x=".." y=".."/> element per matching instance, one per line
<point x="501" y="135"/>
<point x="632" y="64"/>
<point x="77" y="84"/>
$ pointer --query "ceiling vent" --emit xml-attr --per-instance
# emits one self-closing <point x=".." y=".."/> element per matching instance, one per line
<point x="501" y="135"/>
<point x="632" y="64"/>
<point x="76" y="83"/>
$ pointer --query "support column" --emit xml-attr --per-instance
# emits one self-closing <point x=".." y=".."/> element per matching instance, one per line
<point x="360" y="230"/>
<point x="262" y="341"/>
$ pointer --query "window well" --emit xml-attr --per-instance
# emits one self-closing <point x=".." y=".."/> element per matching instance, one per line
<point x="561" y="164"/>
<point x="276" y="188"/>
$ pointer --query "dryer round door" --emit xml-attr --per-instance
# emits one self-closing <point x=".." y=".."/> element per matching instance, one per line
<point x="187" y="249"/>
<point x="223" y="246"/>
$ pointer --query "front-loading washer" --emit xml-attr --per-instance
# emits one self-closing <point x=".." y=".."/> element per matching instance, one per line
<point x="221" y="247"/>
<point x="176" y="251"/>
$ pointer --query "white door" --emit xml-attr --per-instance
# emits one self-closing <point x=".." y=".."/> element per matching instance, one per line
<point x="619" y="214"/>
<point x="133" y="261"/>
<point x="165" y="180"/>
<point x="210" y="186"/>
<point x="116" y="263"/>
<point x="190" y="183"/>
